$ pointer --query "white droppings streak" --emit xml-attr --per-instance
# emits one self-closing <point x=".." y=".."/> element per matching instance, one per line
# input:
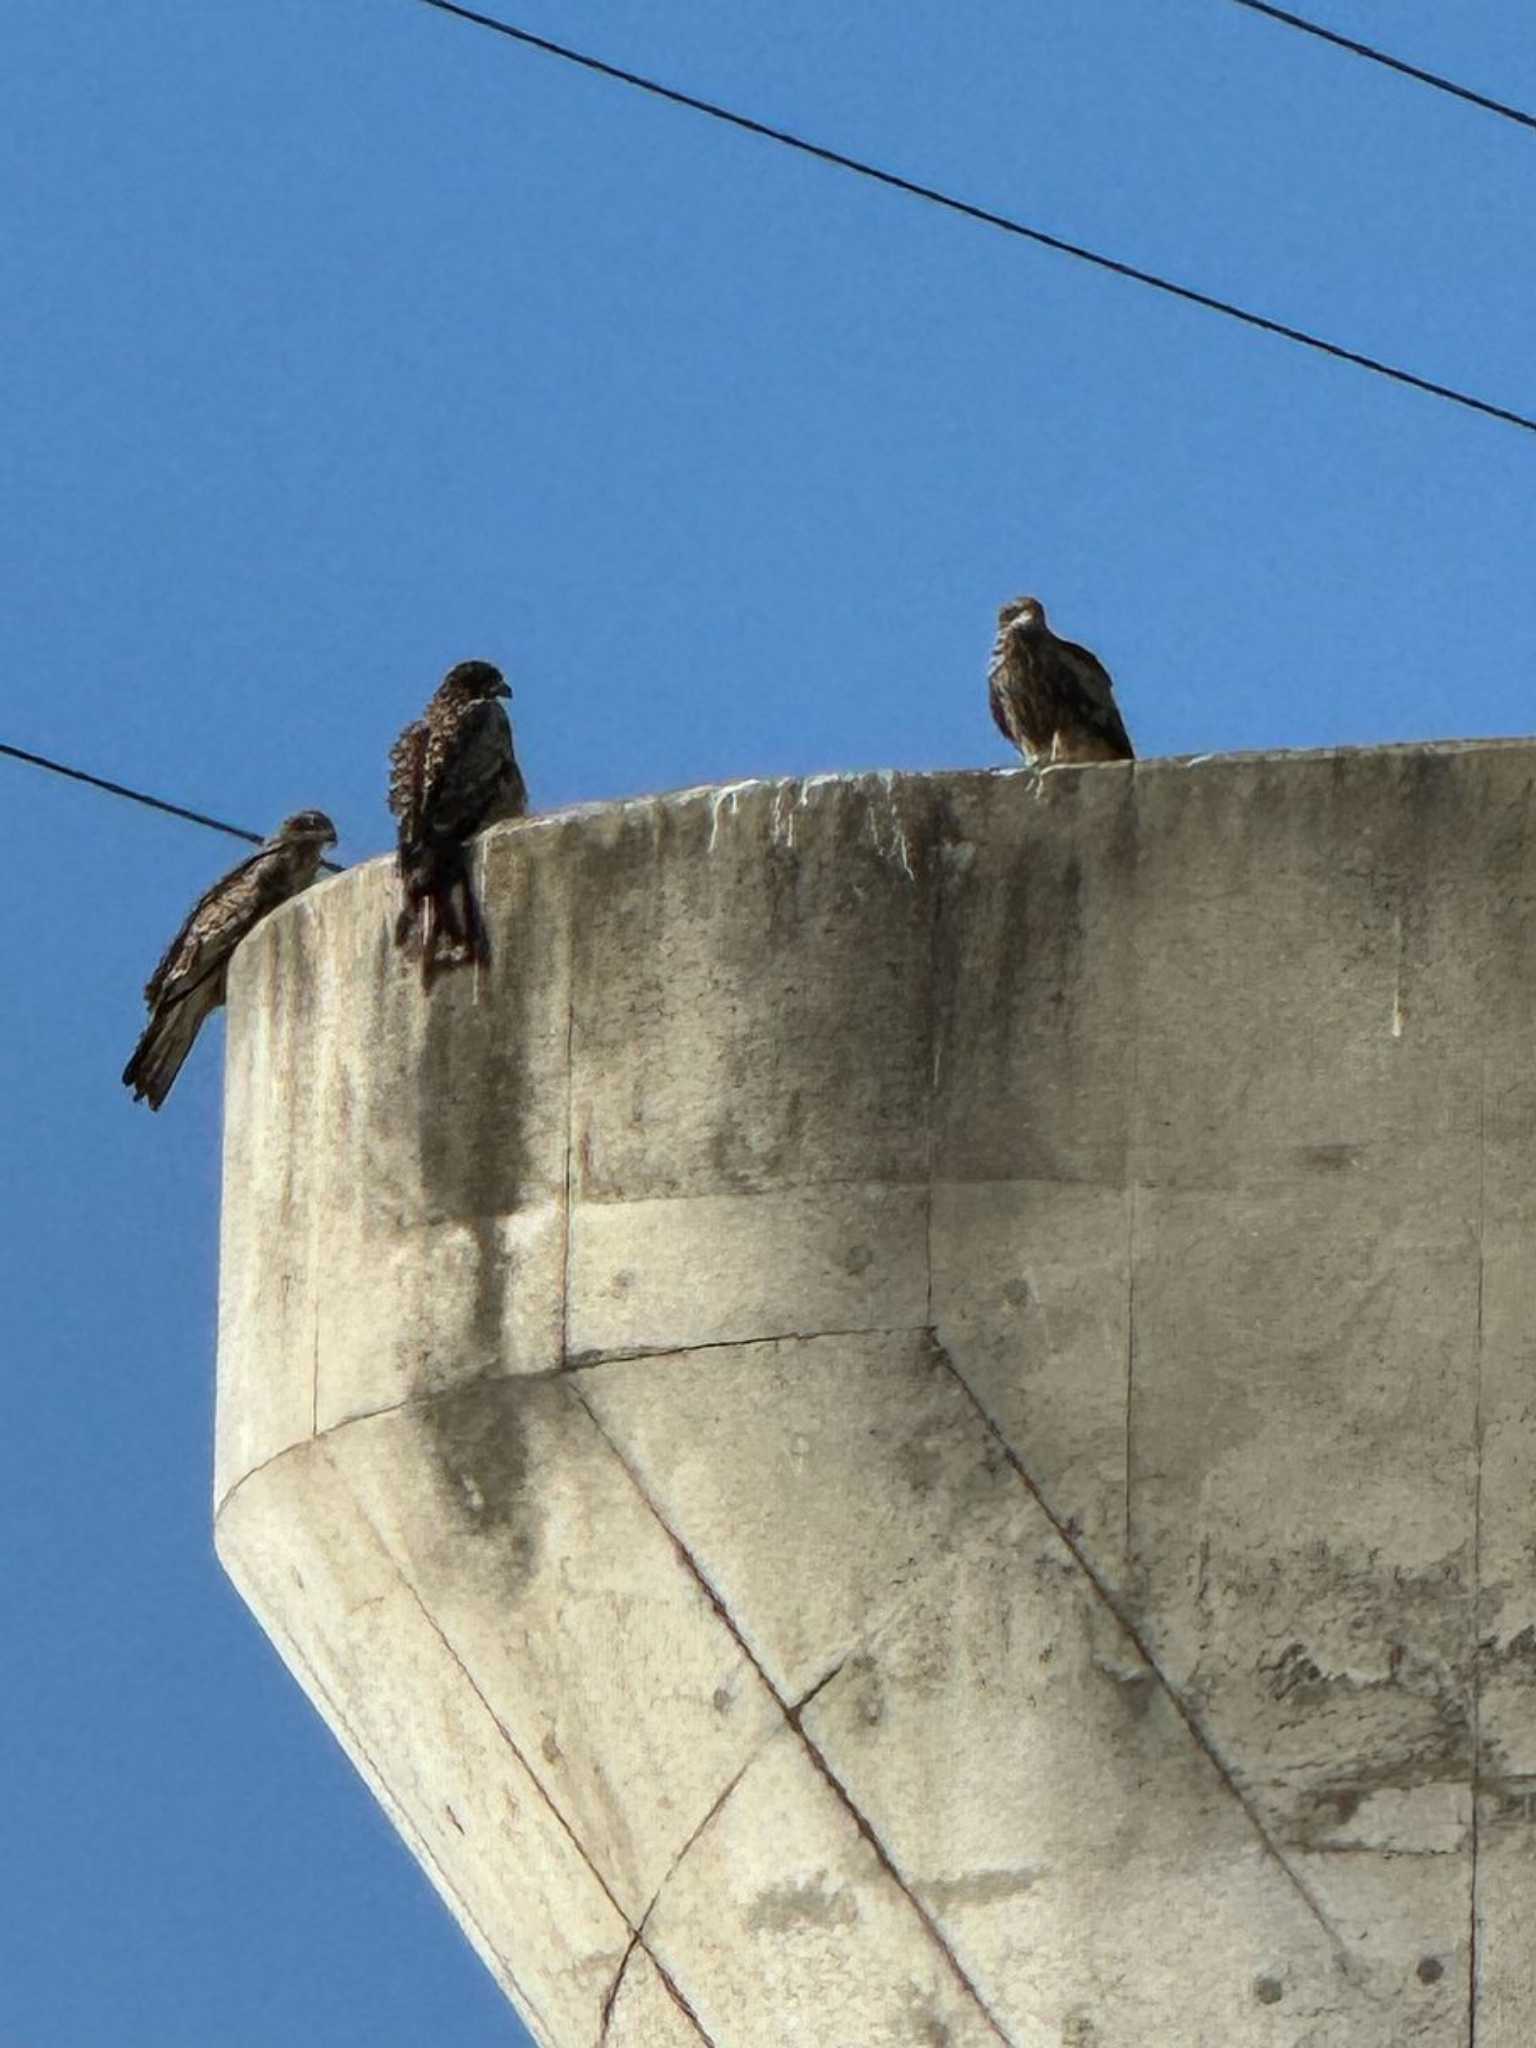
<point x="892" y="840"/>
<point x="790" y="797"/>
<point x="783" y="824"/>
<point x="1398" y="1012"/>
<point x="723" y="799"/>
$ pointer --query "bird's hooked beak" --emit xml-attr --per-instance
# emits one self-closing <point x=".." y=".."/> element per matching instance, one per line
<point x="503" y="688"/>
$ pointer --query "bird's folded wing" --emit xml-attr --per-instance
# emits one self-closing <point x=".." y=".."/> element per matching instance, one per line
<point x="215" y="925"/>
<point x="1099" y="708"/>
<point x="407" y="766"/>
<point x="468" y="761"/>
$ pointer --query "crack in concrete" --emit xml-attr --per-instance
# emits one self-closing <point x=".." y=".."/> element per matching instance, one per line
<point x="1144" y="1648"/>
<point x="813" y="1752"/>
<point x="589" y="1361"/>
<point x="893" y="1183"/>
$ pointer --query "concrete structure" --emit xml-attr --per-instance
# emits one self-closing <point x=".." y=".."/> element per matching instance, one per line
<point x="916" y="1424"/>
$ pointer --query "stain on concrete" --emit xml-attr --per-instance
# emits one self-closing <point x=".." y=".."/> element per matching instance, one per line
<point x="921" y="1463"/>
<point x="550" y="1749"/>
<point x="1430" y="1970"/>
<point x="1508" y="1799"/>
<point x="1049" y="853"/>
<point x="868" y="1691"/>
<point x="473" y="1096"/>
<point x="1078" y="2031"/>
<point x="1518" y="1655"/>
<point x="1268" y="1990"/>
<point x="980" y="1888"/>
<point x="928" y="2028"/>
<point x="491" y="1055"/>
<point x="1332" y="1158"/>
<point x="1137" y="1690"/>
<point x="1293" y="1677"/>
<point x="785" y="1908"/>
<point x="478" y="1441"/>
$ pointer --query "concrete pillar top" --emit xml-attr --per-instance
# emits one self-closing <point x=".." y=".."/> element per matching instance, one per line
<point x="913" y="1421"/>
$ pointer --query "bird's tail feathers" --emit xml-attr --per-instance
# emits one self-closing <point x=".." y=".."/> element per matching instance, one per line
<point x="440" y="916"/>
<point x="158" y="1056"/>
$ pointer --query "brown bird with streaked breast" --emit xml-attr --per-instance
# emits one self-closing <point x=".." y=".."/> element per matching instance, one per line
<point x="189" y="982"/>
<point x="452" y="772"/>
<point x="1052" y="699"/>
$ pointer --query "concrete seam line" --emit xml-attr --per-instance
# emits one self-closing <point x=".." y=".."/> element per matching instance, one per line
<point x="1181" y="1707"/>
<point x="900" y="1184"/>
<point x="773" y="1735"/>
<point x="639" y="1934"/>
<point x="413" y="1835"/>
<point x="1130" y="1358"/>
<point x="675" y="1993"/>
<point x="813" y="1752"/>
<point x="385" y="1552"/>
<point x="506" y="1735"/>
<point x="551" y="1373"/>
<point x="610" y="1998"/>
<point x="1132" y="1184"/>
<point x="826" y="1678"/>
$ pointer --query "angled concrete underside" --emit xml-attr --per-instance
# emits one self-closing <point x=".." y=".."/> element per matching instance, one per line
<point x="916" y="1422"/>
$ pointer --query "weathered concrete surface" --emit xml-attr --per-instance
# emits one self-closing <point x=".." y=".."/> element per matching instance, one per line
<point x="916" y="1423"/>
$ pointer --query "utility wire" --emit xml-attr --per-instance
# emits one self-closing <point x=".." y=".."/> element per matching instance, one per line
<point x="982" y="214"/>
<point x="138" y="796"/>
<point x="1328" y="35"/>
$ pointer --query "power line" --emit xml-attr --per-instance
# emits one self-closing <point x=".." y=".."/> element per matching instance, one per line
<point x="982" y="214"/>
<point x="138" y="796"/>
<point x="1328" y="35"/>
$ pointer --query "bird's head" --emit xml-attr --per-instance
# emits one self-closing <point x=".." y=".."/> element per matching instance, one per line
<point x="308" y="828"/>
<point x="1021" y="614"/>
<point x="474" y="682"/>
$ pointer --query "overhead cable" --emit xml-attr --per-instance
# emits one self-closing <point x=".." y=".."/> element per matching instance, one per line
<point x="139" y="796"/>
<point x="983" y="214"/>
<point x="1328" y="35"/>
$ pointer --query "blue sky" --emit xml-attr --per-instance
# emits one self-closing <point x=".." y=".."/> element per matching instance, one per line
<point x="341" y="341"/>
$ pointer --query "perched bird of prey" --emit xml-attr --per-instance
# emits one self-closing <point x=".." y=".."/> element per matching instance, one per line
<point x="189" y="982"/>
<point x="1052" y="699"/>
<point x="451" y="772"/>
